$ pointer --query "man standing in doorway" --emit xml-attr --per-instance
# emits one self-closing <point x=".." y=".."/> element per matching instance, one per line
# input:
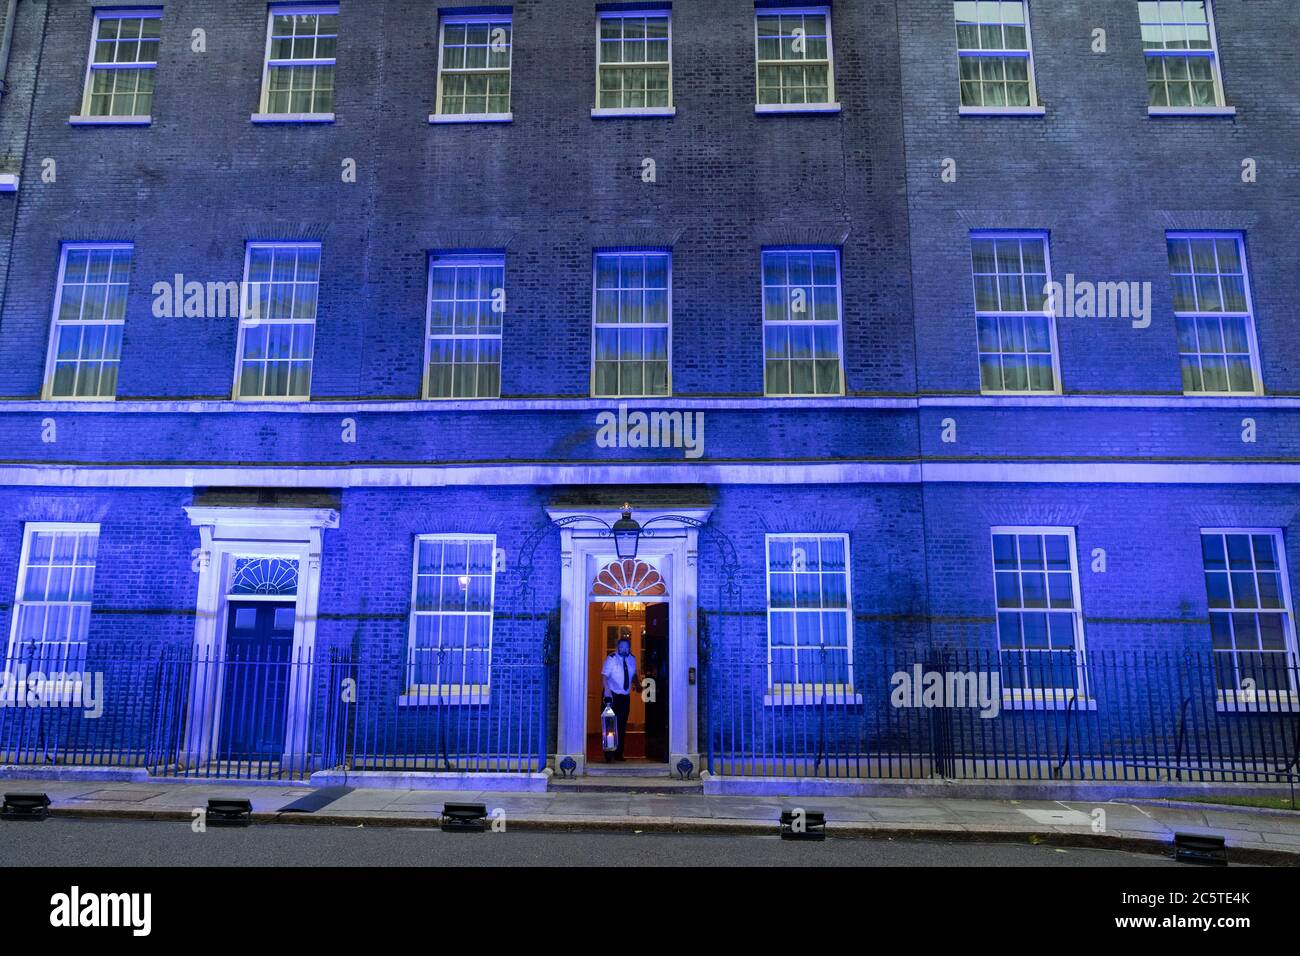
<point x="619" y="673"/>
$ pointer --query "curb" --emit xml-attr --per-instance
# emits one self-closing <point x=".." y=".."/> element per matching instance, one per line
<point x="1212" y="807"/>
<point x="1245" y="855"/>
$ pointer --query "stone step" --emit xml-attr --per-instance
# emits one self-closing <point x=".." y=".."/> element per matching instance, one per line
<point x="600" y="769"/>
<point x="612" y="785"/>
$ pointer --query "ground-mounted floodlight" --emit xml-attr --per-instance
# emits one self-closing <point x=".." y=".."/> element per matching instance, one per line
<point x="464" y="818"/>
<point x="803" y="825"/>
<point x="25" y="806"/>
<point x="1205" y="849"/>
<point x="230" y="813"/>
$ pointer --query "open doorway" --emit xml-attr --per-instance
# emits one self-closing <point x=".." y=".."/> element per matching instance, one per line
<point x="645" y="626"/>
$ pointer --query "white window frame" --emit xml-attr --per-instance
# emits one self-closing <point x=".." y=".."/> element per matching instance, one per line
<point x="800" y="692"/>
<point x="1035" y="107"/>
<point x="51" y="350"/>
<point x="832" y="104"/>
<point x="1220" y="106"/>
<point x="1265" y="701"/>
<point x="30" y="529"/>
<point x="1021" y="236"/>
<point x="280" y="9"/>
<point x="438" y="116"/>
<point x="1045" y="697"/>
<point x="245" y="321"/>
<point x="810" y="323"/>
<point x="85" y="118"/>
<point x="657" y="13"/>
<point x="1252" y="337"/>
<point x="474" y="259"/>
<point x="424" y="694"/>
<point x="668" y="326"/>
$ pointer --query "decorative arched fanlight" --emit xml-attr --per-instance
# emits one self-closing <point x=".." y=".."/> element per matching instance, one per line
<point x="627" y="578"/>
<point x="268" y="577"/>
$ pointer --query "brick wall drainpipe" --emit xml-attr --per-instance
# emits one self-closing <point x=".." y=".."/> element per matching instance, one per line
<point x="6" y="44"/>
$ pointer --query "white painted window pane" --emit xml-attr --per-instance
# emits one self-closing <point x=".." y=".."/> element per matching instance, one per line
<point x="1213" y="316"/>
<point x="475" y="67"/>
<point x="56" y="584"/>
<point x="809" y="611"/>
<point x="452" y="612"/>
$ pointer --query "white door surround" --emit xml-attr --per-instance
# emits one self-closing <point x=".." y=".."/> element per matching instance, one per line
<point x="584" y="551"/>
<point x="227" y="533"/>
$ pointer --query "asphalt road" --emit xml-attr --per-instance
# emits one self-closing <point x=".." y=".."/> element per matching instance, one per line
<point x="67" y="842"/>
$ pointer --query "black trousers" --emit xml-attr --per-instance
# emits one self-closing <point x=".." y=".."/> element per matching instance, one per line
<point x="621" y="704"/>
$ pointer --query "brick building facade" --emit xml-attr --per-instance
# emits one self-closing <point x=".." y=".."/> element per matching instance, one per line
<point x="789" y="223"/>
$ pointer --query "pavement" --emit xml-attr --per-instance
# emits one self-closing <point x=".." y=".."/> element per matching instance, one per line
<point x="1147" y="826"/>
<point x="68" y="842"/>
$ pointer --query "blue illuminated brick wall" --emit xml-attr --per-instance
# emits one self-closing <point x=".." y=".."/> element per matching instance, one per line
<point x="1105" y="180"/>
<point x="549" y="187"/>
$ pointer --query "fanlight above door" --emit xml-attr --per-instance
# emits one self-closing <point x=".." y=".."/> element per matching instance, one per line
<point x="630" y="579"/>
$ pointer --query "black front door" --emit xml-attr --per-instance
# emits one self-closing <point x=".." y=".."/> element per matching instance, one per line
<point x="259" y="644"/>
<point x="654" y="663"/>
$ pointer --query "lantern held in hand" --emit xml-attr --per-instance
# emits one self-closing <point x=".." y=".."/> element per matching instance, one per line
<point x="608" y="729"/>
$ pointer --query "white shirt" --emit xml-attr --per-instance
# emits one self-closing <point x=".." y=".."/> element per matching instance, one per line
<point x="613" y="673"/>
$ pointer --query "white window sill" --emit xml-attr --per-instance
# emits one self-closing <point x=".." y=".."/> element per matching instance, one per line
<point x="269" y="118"/>
<point x="1020" y="701"/>
<point x="767" y="109"/>
<point x="438" y="119"/>
<point x="417" y="697"/>
<point x="8" y="182"/>
<point x="642" y="112"/>
<point x="81" y="399"/>
<point x="110" y="120"/>
<point x="810" y="699"/>
<point x="1002" y="111"/>
<point x="1264" y="703"/>
<point x="1191" y="111"/>
<point x="802" y="397"/>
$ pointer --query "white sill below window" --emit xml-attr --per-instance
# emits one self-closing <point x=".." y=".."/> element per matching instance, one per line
<point x="1022" y="700"/>
<point x="445" y="696"/>
<point x="80" y="399"/>
<point x="1191" y="111"/>
<point x="448" y="118"/>
<point x="1264" y="703"/>
<point x="293" y="118"/>
<point x="770" y="108"/>
<point x="836" y="697"/>
<point x="8" y="182"/>
<point x="633" y="112"/>
<point x="110" y="120"/>
<point x="1002" y="111"/>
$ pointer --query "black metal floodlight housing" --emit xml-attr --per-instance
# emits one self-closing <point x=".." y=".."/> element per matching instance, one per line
<point x="25" y="806"/>
<point x="464" y="818"/>
<point x="1205" y="849"/>
<point x="803" y="825"/>
<point x="230" y="813"/>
